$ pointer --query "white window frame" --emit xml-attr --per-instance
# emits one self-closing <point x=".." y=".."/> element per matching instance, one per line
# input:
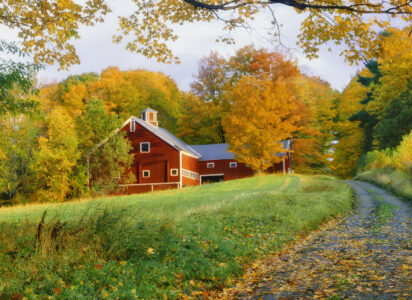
<point x="210" y="165"/>
<point x="234" y="163"/>
<point x="148" y="176"/>
<point x="141" y="143"/>
<point x="176" y="170"/>
<point x="132" y="126"/>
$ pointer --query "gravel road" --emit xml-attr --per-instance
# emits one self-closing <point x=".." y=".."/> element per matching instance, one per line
<point x="366" y="256"/>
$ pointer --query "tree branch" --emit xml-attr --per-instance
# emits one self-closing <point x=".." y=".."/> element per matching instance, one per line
<point x="369" y="8"/>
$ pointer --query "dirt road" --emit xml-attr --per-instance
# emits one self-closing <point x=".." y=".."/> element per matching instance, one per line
<point x="366" y="256"/>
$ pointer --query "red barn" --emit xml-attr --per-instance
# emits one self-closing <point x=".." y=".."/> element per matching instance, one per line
<point x="163" y="161"/>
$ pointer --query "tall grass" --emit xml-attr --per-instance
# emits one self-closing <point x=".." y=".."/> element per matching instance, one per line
<point x="159" y="245"/>
<point x="391" y="179"/>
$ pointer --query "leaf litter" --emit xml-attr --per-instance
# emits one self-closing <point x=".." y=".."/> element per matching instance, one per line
<point x="352" y="258"/>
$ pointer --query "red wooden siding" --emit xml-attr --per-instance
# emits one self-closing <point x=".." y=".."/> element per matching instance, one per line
<point x="161" y="158"/>
<point x="191" y="164"/>
<point x="222" y="167"/>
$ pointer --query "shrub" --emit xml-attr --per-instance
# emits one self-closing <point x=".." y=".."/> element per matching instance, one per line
<point x="376" y="159"/>
<point x="403" y="155"/>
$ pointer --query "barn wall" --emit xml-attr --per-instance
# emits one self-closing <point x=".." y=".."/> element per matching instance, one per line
<point x="161" y="158"/>
<point x="190" y="163"/>
<point x="222" y="167"/>
<point x="278" y="167"/>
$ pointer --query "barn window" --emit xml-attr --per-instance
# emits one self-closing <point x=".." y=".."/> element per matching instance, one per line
<point x="174" y="172"/>
<point x="144" y="147"/>
<point x="233" y="164"/>
<point x="146" y="173"/>
<point x="132" y="126"/>
<point x="210" y="165"/>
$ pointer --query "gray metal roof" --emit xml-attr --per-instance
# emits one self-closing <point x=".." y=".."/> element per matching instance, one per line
<point x="213" y="151"/>
<point x="219" y="151"/>
<point x="166" y="136"/>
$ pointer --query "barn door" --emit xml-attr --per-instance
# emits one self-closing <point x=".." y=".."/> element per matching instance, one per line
<point x="138" y="172"/>
<point x="166" y="171"/>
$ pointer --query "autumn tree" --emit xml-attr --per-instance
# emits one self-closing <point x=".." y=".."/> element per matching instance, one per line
<point x="205" y="114"/>
<point x="403" y="155"/>
<point x="349" y="137"/>
<point x="125" y="93"/>
<point x="263" y="113"/>
<point x="217" y="77"/>
<point x="54" y="160"/>
<point x="47" y="28"/>
<point x="389" y="76"/>
<point x="312" y="144"/>
<point x="200" y="121"/>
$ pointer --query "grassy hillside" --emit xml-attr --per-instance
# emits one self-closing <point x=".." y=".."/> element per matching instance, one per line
<point x="390" y="179"/>
<point x="158" y="245"/>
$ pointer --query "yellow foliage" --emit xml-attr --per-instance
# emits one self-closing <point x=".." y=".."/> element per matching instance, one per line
<point x="263" y="113"/>
<point x="403" y="155"/>
<point x="74" y="99"/>
<point x="55" y="158"/>
<point x="395" y="65"/>
<point x="48" y="28"/>
<point x="350" y="137"/>
<point x="312" y="144"/>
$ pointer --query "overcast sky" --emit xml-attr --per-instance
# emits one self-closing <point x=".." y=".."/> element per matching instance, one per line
<point x="97" y="51"/>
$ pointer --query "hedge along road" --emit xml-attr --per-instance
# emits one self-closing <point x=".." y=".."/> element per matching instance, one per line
<point x="367" y="255"/>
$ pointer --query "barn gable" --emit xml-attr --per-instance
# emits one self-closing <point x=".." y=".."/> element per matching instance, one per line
<point x="163" y="134"/>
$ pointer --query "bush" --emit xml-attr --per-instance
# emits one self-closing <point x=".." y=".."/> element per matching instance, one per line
<point x="403" y="155"/>
<point x="376" y="159"/>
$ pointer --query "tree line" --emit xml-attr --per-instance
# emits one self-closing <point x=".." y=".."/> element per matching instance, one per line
<point x="251" y="100"/>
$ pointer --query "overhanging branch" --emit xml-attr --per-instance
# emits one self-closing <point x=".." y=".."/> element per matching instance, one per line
<point x="362" y="8"/>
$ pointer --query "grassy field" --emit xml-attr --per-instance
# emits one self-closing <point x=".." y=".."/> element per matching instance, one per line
<point x="390" y="179"/>
<point x="160" y="245"/>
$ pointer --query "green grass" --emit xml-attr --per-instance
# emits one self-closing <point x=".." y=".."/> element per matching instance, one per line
<point x="385" y="209"/>
<point x="390" y="179"/>
<point x="163" y="244"/>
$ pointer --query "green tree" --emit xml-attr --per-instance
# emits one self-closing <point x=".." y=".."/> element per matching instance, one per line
<point x="104" y="151"/>
<point x="396" y="121"/>
<point x="16" y="86"/>
<point x="18" y="137"/>
<point x="367" y="120"/>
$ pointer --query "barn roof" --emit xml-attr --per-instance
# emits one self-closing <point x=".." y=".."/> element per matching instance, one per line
<point x="165" y="135"/>
<point x="149" y="110"/>
<point x="213" y="151"/>
<point x="220" y="151"/>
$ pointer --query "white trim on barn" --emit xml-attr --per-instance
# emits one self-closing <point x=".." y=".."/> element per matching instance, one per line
<point x="148" y="147"/>
<point x="234" y="163"/>
<point x="209" y="175"/>
<point x="180" y="168"/>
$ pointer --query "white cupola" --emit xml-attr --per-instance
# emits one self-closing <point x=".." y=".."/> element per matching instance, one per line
<point x="150" y="116"/>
